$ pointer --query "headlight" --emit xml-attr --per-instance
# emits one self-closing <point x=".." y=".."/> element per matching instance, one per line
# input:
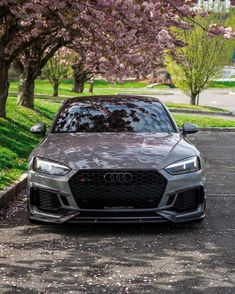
<point x="185" y="166"/>
<point x="49" y="167"/>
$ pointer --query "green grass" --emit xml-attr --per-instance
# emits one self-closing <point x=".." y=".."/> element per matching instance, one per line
<point x="43" y="86"/>
<point x="43" y="89"/>
<point x="16" y="140"/>
<point x="195" y="107"/>
<point x="203" y="122"/>
<point x="102" y="87"/>
<point x="218" y="84"/>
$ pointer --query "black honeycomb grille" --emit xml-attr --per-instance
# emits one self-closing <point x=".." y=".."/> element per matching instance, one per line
<point x="47" y="201"/>
<point x="92" y="190"/>
<point x="188" y="200"/>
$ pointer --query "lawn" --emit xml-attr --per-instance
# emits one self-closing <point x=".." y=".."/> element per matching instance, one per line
<point x="195" y="107"/>
<point x="43" y="89"/>
<point x="220" y="84"/>
<point x="102" y="87"/>
<point x="203" y="122"/>
<point x="16" y="140"/>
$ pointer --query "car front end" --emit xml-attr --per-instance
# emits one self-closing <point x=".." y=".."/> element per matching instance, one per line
<point x="116" y="195"/>
<point x="116" y="177"/>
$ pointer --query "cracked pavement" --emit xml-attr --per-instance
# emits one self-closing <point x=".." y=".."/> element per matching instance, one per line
<point x="150" y="258"/>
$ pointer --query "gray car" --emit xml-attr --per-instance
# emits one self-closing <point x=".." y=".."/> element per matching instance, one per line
<point x="115" y="159"/>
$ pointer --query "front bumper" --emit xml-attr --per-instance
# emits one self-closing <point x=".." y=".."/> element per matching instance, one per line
<point x="91" y="217"/>
<point x="71" y="213"/>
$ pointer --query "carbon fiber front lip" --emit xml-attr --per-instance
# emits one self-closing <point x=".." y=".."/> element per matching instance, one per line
<point x="161" y="216"/>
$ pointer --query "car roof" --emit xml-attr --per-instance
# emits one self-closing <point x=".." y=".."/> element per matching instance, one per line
<point x="111" y="98"/>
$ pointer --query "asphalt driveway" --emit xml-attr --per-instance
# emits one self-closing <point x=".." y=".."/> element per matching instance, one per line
<point x="129" y="258"/>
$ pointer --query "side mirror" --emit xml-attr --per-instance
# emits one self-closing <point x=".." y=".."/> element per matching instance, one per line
<point x="39" y="128"/>
<point x="189" y="128"/>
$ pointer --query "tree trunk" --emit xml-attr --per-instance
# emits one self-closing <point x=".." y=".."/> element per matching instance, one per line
<point x="193" y="98"/>
<point x="137" y="75"/>
<point x="91" y="88"/>
<point x="81" y="89"/>
<point x="80" y="76"/>
<point x="154" y="74"/>
<point x="26" y="89"/>
<point x="4" y="86"/>
<point x="78" y="86"/>
<point x="56" y="88"/>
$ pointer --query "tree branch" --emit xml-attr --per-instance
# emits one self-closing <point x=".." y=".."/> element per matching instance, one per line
<point x="185" y="15"/>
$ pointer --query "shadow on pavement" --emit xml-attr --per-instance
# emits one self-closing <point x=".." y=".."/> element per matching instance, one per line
<point x="154" y="258"/>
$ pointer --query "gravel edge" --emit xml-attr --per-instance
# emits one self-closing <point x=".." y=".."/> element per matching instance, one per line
<point x="217" y="129"/>
<point x="13" y="190"/>
<point x="214" y="113"/>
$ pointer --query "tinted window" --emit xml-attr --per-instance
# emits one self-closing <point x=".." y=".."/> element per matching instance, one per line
<point x="125" y="115"/>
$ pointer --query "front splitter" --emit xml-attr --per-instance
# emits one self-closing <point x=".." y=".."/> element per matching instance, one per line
<point x="76" y="217"/>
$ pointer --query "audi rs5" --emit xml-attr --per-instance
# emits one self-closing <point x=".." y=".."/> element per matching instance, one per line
<point x="115" y="159"/>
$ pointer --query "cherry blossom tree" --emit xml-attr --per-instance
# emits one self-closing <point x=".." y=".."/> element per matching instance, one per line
<point x="82" y="72"/>
<point x="21" y="24"/>
<point x="81" y="75"/>
<point x="57" y="68"/>
<point x="30" y="62"/>
<point x="116" y="25"/>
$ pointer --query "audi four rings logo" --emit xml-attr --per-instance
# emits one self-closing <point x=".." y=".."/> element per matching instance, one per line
<point x="118" y="177"/>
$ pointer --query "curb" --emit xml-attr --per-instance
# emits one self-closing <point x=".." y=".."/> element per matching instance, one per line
<point x="200" y="112"/>
<point x="13" y="190"/>
<point x="216" y="129"/>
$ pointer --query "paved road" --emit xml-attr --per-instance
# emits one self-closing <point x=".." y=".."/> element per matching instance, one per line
<point x="228" y="73"/>
<point x="212" y="97"/>
<point x="134" y="258"/>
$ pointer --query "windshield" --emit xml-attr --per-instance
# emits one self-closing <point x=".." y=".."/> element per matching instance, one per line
<point x="117" y="115"/>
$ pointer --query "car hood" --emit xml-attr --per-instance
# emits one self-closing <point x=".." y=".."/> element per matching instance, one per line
<point x="114" y="150"/>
